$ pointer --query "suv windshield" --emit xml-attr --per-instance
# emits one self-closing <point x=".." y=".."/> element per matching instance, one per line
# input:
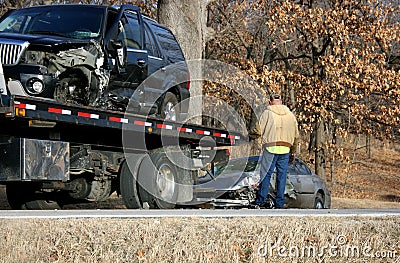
<point x="71" y="22"/>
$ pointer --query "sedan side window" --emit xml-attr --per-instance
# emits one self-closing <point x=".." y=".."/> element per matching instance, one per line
<point x="292" y="169"/>
<point x="303" y="169"/>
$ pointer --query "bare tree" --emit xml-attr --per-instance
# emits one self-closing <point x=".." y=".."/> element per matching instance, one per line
<point x="188" y="21"/>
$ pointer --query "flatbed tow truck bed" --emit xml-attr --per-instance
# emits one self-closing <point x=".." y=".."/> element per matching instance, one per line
<point x="40" y="118"/>
<point x="53" y="154"/>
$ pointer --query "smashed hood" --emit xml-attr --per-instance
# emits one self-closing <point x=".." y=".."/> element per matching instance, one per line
<point x="45" y="42"/>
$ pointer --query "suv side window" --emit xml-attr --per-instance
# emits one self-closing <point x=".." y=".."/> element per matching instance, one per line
<point x="111" y="17"/>
<point x="131" y="30"/>
<point x="151" y="45"/>
<point x="168" y="44"/>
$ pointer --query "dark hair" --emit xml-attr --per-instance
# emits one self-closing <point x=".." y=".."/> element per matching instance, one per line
<point x="275" y="96"/>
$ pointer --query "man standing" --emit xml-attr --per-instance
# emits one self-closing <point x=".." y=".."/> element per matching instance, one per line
<point x="279" y="132"/>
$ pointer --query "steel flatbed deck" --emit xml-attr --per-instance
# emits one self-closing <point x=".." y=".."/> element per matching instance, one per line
<point x="39" y="118"/>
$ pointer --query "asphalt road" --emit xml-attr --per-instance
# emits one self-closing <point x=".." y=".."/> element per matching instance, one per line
<point x="199" y="213"/>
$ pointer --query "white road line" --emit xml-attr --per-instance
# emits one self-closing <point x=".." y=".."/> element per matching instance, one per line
<point x="196" y="213"/>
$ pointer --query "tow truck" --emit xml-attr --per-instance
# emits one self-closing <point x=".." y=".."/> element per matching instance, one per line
<point x="52" y="154"/>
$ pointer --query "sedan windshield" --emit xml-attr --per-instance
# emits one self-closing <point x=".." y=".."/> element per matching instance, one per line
<point x="68" y="21"/>
<point x="236" y="166"/>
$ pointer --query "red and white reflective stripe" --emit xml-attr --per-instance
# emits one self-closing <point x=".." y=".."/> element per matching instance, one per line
<point x="234" y="137"/>
<point x="143" y="123"/>
<point x="184" y="129"/>
<point x="203" y="132"/>
<point x="116" y="119"/>
<point x="124" y="120"/>
<point x="88" y="115"/>
<point x="164" y="126"/>
<point x="59" y="111"/>
<point x="25" y="106"/>
<point x="217" y="134"/>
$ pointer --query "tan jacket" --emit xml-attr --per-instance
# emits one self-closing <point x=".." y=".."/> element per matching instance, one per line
<point x="277" y="126"/>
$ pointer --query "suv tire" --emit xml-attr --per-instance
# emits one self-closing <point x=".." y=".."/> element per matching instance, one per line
<point x="169" y="109"/>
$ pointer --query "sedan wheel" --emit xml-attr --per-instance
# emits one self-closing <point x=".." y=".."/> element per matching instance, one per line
<point x="318" y="204"/>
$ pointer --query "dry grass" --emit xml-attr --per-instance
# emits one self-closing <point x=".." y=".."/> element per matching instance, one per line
<point x="197" y="240"/>
<point x="347" y="203"/>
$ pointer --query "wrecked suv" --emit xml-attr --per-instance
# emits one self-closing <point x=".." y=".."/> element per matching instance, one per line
<point x="94" y="55"/>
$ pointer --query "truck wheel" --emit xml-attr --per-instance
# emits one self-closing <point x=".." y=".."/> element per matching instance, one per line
<point x="100" y="190"/>
<point x="128" y="182"/>
<point x="15" y="198"/>
<point x="168" y="111"/>
<point x="81" y="189"/>
<point x="25" y="196"/>
<point x="42" y="205"/>
<point x="158" y="182"/>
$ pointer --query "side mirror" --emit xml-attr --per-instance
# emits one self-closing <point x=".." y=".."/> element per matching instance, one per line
<point x="116" y="44"/>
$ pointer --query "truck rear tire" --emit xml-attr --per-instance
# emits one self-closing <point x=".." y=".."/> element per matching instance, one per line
<point x="128" y="182"/>
<point x="41" y="205"/>
<point x="158" y="182"/>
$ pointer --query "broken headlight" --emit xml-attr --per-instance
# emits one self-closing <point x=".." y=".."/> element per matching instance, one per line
<point x="34" y="57"/>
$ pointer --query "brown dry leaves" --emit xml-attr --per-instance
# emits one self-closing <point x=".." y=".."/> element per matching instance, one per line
<point x="375" y="177"/>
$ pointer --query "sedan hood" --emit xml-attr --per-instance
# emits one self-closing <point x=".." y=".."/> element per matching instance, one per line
<point x="233" y="182"/>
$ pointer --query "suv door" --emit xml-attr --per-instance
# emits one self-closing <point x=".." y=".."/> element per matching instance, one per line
<point x="131" y="59"/>
<point x="154" y="85"/>
<point x="156" y="59"/>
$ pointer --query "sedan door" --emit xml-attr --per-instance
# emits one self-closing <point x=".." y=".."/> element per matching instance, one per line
<point x="301" y="177"/>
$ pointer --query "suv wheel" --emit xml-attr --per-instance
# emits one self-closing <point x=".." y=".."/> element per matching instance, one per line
<point x="168" y="111"/>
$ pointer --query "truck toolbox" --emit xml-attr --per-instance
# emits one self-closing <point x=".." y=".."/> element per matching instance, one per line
<point x="30" y="160"/>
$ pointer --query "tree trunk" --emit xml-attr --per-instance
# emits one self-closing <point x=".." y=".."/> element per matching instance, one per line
<point x="188" y="21"/>
<point x="319" y="149"/>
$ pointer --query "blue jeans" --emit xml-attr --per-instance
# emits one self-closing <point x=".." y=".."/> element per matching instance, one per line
<point x="268" y="163"/>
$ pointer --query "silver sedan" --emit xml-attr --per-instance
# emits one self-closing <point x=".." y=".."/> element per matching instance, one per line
<point x="235" y="183"/>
